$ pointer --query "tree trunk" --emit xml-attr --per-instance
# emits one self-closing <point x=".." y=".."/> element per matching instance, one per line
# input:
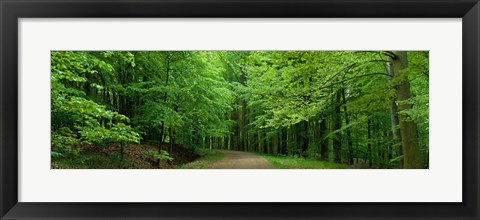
<point x="236" y="131"/>
<point x="347" y="122"/>
<point x="284" y="141"/>
<point x="165" y="96"/>
<point x="265" y="141"/>
<point x="408" y="128"/>
<point x="170" y="148"/>
<point x="337" y="143"/>
<point x="207" y="142"/>
<point x="397" y="138"/>
<point x="369" y="141"/>
<point x="323" y="140"/>
<point x="302" y="139"/>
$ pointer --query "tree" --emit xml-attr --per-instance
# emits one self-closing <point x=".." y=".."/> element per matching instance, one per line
<point x="76" y="119"/>
<point x="408" y="128"/>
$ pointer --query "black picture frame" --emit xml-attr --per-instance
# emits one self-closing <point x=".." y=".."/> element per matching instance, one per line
<point x="12" y="10"/>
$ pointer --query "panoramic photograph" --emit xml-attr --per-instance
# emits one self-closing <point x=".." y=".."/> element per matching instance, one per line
<point x="239" y="109"/>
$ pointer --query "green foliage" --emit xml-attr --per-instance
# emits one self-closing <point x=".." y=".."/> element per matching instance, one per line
<point x="56" y="154"/>
<point x="295" y="86"/>
<point x="76" y="117"/>
<point x="117" y="133"/>
<point x="184" y="91"/>
<point x="162" y="156"/>
<point x="63" y="141"/>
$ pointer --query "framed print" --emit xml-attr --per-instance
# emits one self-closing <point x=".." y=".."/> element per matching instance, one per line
<point x="225" y="109"/>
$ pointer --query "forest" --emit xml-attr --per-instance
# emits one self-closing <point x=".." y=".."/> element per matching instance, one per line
<point x="239" y="109"/>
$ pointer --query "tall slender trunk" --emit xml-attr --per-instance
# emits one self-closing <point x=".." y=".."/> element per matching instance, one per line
<point x="265" y="141"/>
<point x="207" y="142"/>
<point x="243" y="121"/>
<point x="302" y="139"/>
<point x="284" y="141"/>
<point x="170" y="148"/>
<point x="305" y="137"/>
<point x="236" y="128"/>
<point x="408" y="128"/>
<point x="323" y="140"/>
<point x="369" y="141"/>
<point x="397" y="138"/>
<point x="337" y="125"/>
<point x="348" y="131"/>
<point x="165" y="96"/>
<point x="244" y="126"/>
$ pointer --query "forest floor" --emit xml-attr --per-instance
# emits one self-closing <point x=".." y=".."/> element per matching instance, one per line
<point x="137" y="157"/>
<point x="239" y="160"/>
<point x="227" y="159"/>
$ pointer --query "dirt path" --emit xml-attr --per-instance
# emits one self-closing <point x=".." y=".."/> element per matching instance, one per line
<point x="240" y="160"/>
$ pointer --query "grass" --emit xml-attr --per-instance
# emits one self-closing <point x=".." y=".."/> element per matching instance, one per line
<point x="206" y="157"/>
<point x="286" y="162"/>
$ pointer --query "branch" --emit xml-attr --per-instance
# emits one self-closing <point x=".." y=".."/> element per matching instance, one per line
<point x="390" y="54"/>
<point x="379" y="61"/>
<point x="345" y="68"/>
<point x="351" y="78"/>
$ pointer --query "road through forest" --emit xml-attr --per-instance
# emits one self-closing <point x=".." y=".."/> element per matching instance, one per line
<point x="240" y="160"/>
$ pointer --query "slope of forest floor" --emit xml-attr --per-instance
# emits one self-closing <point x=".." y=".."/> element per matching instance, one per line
<point x="136" y="156"/>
